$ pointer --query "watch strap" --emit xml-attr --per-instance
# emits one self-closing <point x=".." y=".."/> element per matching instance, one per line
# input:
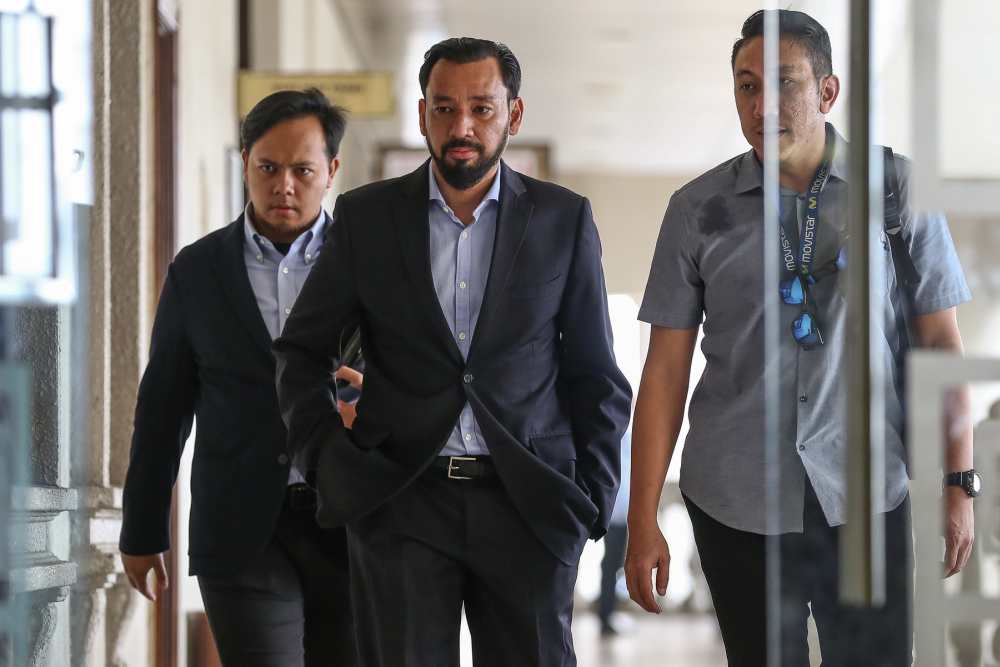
<point x="954" y="479"/>
<point x="966" y="480"/>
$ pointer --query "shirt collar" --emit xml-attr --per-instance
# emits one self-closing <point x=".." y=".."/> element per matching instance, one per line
<point x="493" y="194"/>
<point x="750" y="172"/>
<point x="308" y="243"/>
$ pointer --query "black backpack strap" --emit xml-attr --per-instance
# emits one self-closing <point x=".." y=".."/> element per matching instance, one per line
<point x="907" y="276"/>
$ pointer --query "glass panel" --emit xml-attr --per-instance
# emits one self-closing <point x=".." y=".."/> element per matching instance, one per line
<point x="31" y="56"/>
<point x="15" y="436"/>
<point x="43" y="341"/>
<point x="27" y="192"/>
<point x="37" y="248"/>
<point x="837" y="518"/>
<point x="969" y="142"/>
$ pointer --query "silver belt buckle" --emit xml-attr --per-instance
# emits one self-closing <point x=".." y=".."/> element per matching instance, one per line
<point x="452" y="467"/>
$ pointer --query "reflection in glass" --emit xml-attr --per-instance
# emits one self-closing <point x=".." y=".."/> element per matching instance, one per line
<point x="28" y="238"/>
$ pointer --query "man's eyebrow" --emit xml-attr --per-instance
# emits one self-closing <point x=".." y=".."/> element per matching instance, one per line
<point x="485" y="98"/>
<point x="783" y="69"/>
<point x="441" y="98"/>
<point x="299" y="163"/>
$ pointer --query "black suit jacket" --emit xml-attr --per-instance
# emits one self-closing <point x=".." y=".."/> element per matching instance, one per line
<point x="210" y="359"/>
<point x="541" y="375"/>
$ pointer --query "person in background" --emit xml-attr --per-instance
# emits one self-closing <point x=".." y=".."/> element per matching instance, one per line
<point x="614" y="546"/>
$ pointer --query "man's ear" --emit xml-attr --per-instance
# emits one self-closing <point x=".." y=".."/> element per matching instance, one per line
<point x="829" y="90"/>
<point x="334" y="166"/>
<point x="245" y="156"/>
<point x="516" y="114"/>
<point x="421" y="110"/>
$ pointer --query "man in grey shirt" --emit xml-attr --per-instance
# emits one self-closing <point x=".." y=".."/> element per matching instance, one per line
<point x="708" y="265"/>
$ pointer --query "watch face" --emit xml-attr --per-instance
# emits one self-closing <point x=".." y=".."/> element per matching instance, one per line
<point x="977" y="483"/>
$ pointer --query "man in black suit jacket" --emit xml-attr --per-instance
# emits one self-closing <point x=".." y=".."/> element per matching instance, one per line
<point x="486" y="445"/>
<point x="275" y="585"/>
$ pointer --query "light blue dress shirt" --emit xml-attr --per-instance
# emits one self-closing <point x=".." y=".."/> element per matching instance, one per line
<point x="276" y="279"/>
<point x="460" y="264"/>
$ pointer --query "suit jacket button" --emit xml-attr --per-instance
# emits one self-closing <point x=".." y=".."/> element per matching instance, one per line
<point x="283" y="459"/>
<point x="467" y="378"/>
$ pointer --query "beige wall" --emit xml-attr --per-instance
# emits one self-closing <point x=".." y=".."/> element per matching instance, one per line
<point x="628" y="210"/>
<point x="206" y="79"/>
<point x="314" y="36"/>
<point x="208" y="50"/>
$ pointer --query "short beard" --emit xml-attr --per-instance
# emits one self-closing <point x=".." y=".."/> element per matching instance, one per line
<point x="464" y="174"/>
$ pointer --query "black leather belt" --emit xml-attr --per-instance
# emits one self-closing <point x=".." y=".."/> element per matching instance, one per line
<point x="300" y="497"/>
<point x="465" y="467"/>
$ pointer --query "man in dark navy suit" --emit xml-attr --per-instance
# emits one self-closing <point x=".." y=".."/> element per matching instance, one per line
<point x="486" y="445"/>
<point x="275" y="585"/>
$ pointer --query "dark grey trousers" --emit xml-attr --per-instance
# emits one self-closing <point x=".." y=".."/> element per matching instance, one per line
<point x="443" y="544"/>
<point x="734" y="563"/>
<point x="291" y="606"/>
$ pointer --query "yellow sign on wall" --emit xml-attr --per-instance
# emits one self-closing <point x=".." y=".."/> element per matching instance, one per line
<point x="364" y="94"/>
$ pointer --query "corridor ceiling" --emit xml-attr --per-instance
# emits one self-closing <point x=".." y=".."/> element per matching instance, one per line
<point x="631" y="86"/>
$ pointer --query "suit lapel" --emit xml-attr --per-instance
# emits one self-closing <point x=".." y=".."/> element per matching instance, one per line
<point x="512" y="223"/>
<point x="413" y="233"/>
<point x="232" y="273"/>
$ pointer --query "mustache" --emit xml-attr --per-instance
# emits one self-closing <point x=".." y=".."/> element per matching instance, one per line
<point x="461" y="143"/>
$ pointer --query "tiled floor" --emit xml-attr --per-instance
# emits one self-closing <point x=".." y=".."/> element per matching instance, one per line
<point x="664" y="641"/>
<point x="660" y="641"/>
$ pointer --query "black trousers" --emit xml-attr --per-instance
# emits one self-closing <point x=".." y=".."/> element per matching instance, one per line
<point x="734" y="564"/>
<point x="443" y="544"/>
<point x="291" y="606"/>
<point x="611" y="564"/>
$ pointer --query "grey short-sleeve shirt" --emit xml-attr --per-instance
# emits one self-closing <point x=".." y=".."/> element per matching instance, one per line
<point x="707" y="269"/>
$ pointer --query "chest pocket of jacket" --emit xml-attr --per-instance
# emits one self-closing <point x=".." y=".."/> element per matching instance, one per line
<point x="543" y="288"/>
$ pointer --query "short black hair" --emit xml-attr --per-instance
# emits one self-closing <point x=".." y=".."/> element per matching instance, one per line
<point x="799" y="27"/>
<point x="290" y="105"/>
<point x="463" y="50"/>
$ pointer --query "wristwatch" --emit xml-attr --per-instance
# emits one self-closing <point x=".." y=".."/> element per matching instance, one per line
<point x="970" y="481"/>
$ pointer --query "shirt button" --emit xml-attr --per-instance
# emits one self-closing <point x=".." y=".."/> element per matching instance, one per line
<point x="461" y="285"/>
<point x="467" y="378"/>
<point x="308" y="257"/>
<point x="465" y="235"/>
<point x="283" y="459"/>
<point x="288" y="311"/>
<point x="802" y="448"/>
<point x="803" y="398"/>
<point x="461" y="335"/>
<point x="260" y="257"/>
<point x="468" y="436"/>
<point x="284" y="269"/>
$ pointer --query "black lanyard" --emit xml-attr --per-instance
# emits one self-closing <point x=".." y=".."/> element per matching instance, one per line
<point x="807" y="239"/>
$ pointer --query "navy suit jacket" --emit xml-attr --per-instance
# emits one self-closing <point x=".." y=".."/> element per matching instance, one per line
<point x="210" y="359"/>
<point x="541" y="375"/>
